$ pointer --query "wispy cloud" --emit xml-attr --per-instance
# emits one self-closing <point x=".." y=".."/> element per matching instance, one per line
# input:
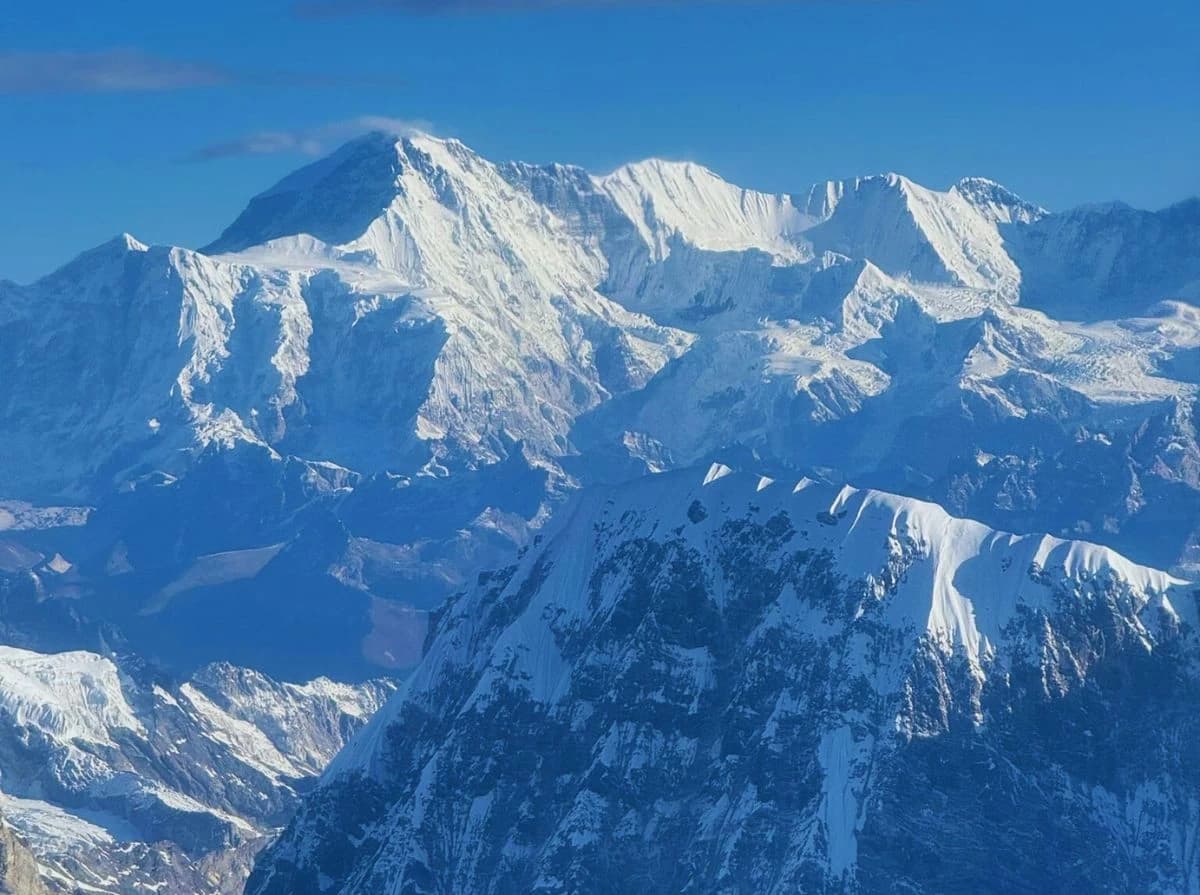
<point x="132" y="71"/>
<point x="103" y="71"/>
<point x="306" y="141"/>
<point x="435" y="7"/>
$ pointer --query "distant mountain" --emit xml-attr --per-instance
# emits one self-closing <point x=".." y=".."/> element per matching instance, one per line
<point x="1105" y="261"/>
<point x="122" y="782"/>
<point x="739" y="683"/>
<point x="395" y="364"/>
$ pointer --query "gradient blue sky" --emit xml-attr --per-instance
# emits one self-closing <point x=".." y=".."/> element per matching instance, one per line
<point x="104" y="108"/>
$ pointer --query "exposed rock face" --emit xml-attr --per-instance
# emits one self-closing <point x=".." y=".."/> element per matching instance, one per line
<point x="18" y="869"/>
<point x="764" y="686"/>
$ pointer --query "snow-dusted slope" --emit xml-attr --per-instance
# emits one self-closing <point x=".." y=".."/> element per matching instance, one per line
<point x="722" y="681"/>
<point x="122" y="784"/>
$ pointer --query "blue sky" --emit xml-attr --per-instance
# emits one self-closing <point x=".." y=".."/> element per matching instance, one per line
<point x="163" y="119"/>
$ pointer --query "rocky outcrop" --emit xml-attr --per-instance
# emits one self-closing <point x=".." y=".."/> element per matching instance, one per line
<point x="18" y="870"/>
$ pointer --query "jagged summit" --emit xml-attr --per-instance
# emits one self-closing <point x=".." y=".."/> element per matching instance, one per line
<point x="998" y="202"/>
<point x="937" y="236"/>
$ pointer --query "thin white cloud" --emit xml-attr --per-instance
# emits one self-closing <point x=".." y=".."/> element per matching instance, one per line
<point x="307" y="141"/>
<point x="132" y="71"/>
<point x="102" y="71"/>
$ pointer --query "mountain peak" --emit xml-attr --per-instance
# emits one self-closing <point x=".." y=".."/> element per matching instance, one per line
<point x="665" y="199"/>
<point x="663" y="169"/>
<point x="997" y="202"/>
<point x="910" y="230"/>
<point x="334" y="198"/>
<point x="129" y="243"/>
<point x="95" y="260"/>
<point x="121" y="244"/>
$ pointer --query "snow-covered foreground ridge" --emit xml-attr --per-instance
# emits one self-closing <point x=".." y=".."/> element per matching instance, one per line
<point x="123" y="783"/>
<point x="716" y="681"/>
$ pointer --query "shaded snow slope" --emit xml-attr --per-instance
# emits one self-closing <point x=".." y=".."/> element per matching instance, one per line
<point x="1105" y="261"/>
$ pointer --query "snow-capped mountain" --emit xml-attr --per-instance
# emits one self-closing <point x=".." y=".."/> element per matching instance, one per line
<point x="731" y="682"/>
<point x="395" y="364"/>
<point x="404" y="363"/>
<point x="1106" y="261"/>
<point x="122" y="782"/>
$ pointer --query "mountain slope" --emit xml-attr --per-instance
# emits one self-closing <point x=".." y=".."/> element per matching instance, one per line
<point x="124" y="782"/>
<point x="1106" y="261"/>
<point x="775" y="686"/>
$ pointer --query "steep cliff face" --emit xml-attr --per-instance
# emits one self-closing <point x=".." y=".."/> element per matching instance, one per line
<point x="18" y="869"/>
<point x="777" y="686"/>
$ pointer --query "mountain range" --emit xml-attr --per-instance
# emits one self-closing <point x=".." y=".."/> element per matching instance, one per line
<point x="421" y="416"/>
